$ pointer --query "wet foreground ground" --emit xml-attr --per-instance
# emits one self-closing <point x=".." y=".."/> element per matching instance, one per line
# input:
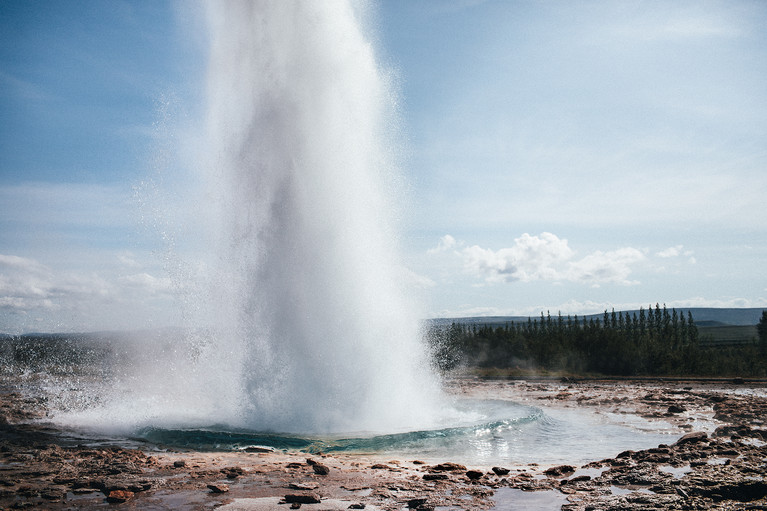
<point x="717" y="461"/>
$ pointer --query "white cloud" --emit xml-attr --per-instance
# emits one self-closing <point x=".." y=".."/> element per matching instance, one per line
<point x="670" y="252"/>
<point x="446" y="243"/>
<point x="598" y="267"/>
<point x="34" y="296"/>
<point x="546" y="258"/>
<point x="531" y="258"/>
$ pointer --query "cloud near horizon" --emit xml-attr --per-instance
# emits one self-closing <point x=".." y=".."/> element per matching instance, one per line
<point x="545" y="257"/>
<point x="36" y="297"/>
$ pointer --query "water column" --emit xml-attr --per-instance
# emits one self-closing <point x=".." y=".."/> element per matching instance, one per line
<point x="313" y="312"/>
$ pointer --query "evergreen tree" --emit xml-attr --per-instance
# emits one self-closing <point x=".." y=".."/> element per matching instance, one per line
<point x="761" y="328"/>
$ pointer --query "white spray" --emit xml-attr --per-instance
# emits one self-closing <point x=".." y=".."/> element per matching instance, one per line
<point x="314" y="331"/>
<point x="309" y="328"/>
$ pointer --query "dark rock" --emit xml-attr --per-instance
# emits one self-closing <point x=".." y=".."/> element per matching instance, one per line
<point x="474" y="474"/>
<point x="743" y="491"/>
<point x="218" y="488"/>
<point x="692" y="438"/>
<point x="559" y="471"/>
<point x="232" y="472"/>
<point x="501" y="471"/>
<point x="447" y="467"/>
<point x="380" y="466"/>
<point x="306" y="498"/>
<point x="357" y="506"/>
<point x="84" y="491"/>
<point x="53" y="494"/>
<point x="435" y="477"/>
<point x="179" y="464"/>
<point x="320" y="469"/>
<point x="256" y="448"/>
<point x="140" y="486"/>
<point x="676" y="409"/>
<point x="416" y="503"/>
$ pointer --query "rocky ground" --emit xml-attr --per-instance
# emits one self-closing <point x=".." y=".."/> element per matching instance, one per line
<point x="722" y="466"/>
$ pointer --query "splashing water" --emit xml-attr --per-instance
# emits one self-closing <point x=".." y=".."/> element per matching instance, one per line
<point x="308" y="326"/>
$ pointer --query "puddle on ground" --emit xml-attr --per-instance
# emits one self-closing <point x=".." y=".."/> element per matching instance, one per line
<point x="677" y="472"/>
<point x="512" y="499"/>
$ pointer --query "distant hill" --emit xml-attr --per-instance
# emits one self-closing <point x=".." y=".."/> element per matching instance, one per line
<point x="703" y="316"/>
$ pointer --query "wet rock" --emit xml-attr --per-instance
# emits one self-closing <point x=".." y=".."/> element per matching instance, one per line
<point x="53" y="494"/>
<point x="447" y="467"/>
<point x="501" y="471"/>
<point x="258" y="449"/>
<point x="380" y="466"/>
<point x="218" y="488"/>
<point x="119" y="496"/>
<point x="559" y="471"/>
<point x="743" y="491"/>
<point x="474" y="474"/>
<point x="676" y="409"/>
<point x="320" y="469"/>
<point x="357" y="506"/>
<point x="306" y="498"/>
<point x="416" y="503"/>
<point x="692" y="438"/>
<point x="84" y="491"/>
<point x="179" y="464"/>
<point x="435" y="477"/>
<point x="232" y="472"/>
<point x="140" y="486"/>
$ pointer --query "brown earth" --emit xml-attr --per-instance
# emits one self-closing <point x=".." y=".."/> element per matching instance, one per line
<point x="44" y="467"/>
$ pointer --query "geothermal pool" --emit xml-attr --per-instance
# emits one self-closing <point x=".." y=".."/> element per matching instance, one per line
<point x="500" y="433"/>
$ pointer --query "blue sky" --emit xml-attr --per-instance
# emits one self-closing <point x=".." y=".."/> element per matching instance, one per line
<point x="569" y="156"/>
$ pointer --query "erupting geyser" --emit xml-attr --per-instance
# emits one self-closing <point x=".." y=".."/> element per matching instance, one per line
<point x="313" y="331"/>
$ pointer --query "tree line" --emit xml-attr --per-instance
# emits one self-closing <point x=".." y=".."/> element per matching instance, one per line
<point x="650" y="342"/>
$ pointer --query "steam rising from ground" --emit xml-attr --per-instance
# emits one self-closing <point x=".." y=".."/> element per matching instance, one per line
<point x="309" y="327"/>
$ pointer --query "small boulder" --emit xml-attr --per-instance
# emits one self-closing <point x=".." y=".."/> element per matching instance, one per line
<point x="119" y="496"/>
<point x="320" y="469"/>
<point x="692" y="438"/>
<point x="305" y="498"/>
<point x="416" y="503"/>
<point x="447" y="467"/>
<point x="559" y="471"/>
<point x="218" y="488"/>
<point x="501" y="471"/>
<point x="474" y="474"/>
